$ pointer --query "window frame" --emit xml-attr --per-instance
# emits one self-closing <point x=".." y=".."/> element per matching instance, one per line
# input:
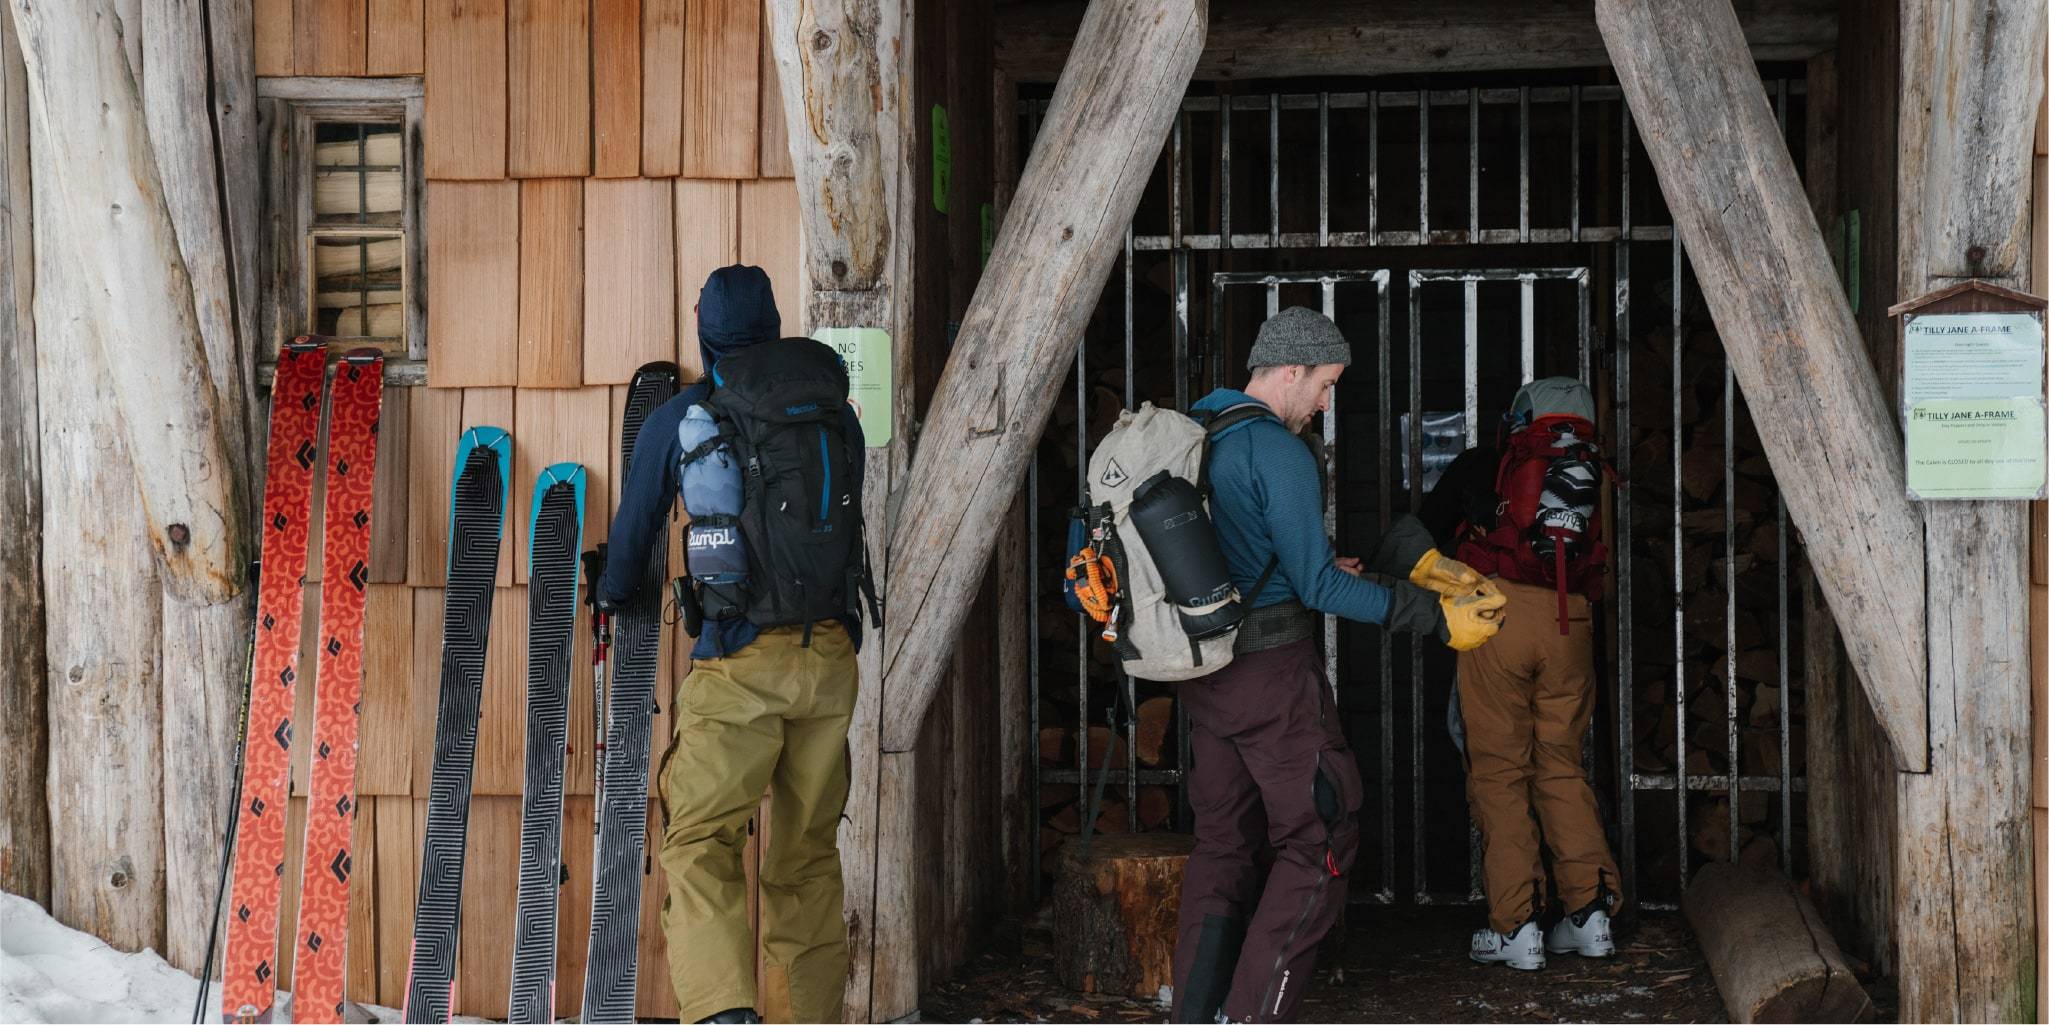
<point x="288" y="109"/>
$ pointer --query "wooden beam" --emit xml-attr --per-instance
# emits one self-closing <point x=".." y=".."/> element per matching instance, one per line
<point x="24" y="713"/>
<point x="107" y="864"/>
<point x="1693" y="86"/>
<point x="842" y="68"/>
<point x="204" y="643"/>
<point x="120" y="236"/>
<point x="1970" y="87"/>
<point x="1102" y="135"/>
<point x="1257" y="39"/>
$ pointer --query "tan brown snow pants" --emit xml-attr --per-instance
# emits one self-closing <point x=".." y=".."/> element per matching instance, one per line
<point x="772" y="716"/>
<point x="1526" y="697"/>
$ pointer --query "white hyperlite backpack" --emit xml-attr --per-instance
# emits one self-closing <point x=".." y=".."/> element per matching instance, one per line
<point x="1172" y="612"/>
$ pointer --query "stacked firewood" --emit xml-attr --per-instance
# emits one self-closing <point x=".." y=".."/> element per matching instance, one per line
<point x="1681" y="611"/>
<point x="1063" y="806"/>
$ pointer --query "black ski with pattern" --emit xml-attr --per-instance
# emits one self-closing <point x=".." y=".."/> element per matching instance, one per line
<point x="553" y="540"/>
<point x="476" y="522"/>
<point x="611" y="971"/>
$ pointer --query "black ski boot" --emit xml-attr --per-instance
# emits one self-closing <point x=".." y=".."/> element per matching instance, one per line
<point x="1201" y="998"/>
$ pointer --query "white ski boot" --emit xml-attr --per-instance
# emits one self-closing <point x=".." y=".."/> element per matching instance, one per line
<point x="1584" y="932"/>
<point x="1522" y="949"/>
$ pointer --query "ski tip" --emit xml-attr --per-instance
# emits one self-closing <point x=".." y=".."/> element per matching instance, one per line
<point x="494" y="438"/>
<point x="570" y="474"/>
<point x="561" y="473"/>
<point x="659" y="370"/>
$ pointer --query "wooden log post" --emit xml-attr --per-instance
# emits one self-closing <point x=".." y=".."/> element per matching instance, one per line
<point x="103" y="632"/>
<point x="1693" y="86"/>
<point x="1771" y="955"/>
<point x="1252" y="39"/>
<point x="24" y="713"/>
<point x="1102" y="134"/>
<point x="1970" y="84"/>
<point x="206" y="643"/>
<point x="842" y="67"/>
<point x="119" y="238"/>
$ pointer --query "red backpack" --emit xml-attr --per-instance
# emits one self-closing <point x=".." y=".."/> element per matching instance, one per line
<point x="1547" y="527"/>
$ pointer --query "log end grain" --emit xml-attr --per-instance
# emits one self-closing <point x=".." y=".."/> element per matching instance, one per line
<point x="1116" y="913"/>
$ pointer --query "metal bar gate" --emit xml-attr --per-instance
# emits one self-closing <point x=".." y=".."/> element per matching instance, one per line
<point x="1539" y="275"/>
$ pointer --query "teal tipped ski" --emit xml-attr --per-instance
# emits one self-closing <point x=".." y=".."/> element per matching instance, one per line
<point x="476" y="522"/>
<point x="611" y="969"/>
<point x="554" y="537"/>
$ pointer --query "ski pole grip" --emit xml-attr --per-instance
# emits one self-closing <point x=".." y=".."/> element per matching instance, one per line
<point x="593" y="568"/>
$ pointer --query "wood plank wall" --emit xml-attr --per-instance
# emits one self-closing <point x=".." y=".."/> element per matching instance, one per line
<point x="564" y="252"/>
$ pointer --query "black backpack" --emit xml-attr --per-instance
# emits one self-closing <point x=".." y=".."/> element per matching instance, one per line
<point x="782" y="405"/>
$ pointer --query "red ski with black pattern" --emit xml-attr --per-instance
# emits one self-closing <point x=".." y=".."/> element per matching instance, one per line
<point x="320" y="961"/>
<point x="249" y="970"/>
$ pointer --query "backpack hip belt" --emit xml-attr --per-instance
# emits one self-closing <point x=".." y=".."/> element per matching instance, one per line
<point x="1271" y="626"/>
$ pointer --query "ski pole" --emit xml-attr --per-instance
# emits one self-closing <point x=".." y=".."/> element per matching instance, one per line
<point x="601" y="653"/>
<point x="220" y="891"/>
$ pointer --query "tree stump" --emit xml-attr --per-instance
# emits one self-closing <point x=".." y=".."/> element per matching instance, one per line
<point x="1771" y="956"/>
<point x="1115" y="913"/>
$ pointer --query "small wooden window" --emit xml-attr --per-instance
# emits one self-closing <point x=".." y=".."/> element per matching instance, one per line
<point x="342" y="253"/>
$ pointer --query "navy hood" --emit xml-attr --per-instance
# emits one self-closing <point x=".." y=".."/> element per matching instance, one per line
<point x="735" y="309"/>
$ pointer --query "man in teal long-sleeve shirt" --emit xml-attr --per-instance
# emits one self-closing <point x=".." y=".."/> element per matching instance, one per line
<point x="1270" y="767"/>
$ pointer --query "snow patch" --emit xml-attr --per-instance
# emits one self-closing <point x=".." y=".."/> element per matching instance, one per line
<point x="50" y="972"/>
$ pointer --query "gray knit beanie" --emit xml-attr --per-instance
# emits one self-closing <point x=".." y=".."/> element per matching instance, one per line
<point x="1298" y="335"/>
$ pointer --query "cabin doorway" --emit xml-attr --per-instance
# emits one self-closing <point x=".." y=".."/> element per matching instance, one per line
<point x="1467" y="235"/>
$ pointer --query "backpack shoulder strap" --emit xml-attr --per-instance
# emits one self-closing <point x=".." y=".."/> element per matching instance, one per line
<point x="1215" y="422"/>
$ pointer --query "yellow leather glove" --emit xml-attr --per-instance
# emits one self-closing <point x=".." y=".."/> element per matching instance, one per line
<point x="1445" y="575"/>
<point x="1472" y="620"/>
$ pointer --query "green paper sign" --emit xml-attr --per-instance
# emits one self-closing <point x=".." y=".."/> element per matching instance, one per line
<point x="942" y="159"/>
<point x="1975" y="449"/>
<point x="869" y="376"/>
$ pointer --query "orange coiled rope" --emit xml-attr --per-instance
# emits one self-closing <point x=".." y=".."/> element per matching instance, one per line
<point x="1095" y="586"/>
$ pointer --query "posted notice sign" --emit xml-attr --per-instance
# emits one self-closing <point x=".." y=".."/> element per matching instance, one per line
<point x="865" y="350"/>
<point x="1974" y="406"/>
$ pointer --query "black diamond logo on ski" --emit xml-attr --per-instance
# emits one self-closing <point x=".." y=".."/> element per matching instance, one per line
<point x="324" y="750"/>
<point x="341" y="807"/>
<point x="313" y="942"/>
<point x="359" y="574"/>
<point x="304" y="455"/>
<point x="341" y="466"/>
<point x="278" y="521"/>
<point x="310" y="401"/>
<point x="340" y="866"/>
<point x="269" y="621"/>
<point x="334" y="645"/>
<point x="287" y="675"/>
<point x="361" y="519"/>
<point x="283" y="734"/>
<point x="263" y="972"/>
<point x="1113" y="474"/>
<point x="257" y="807"/>
<point x="242" y="912"/>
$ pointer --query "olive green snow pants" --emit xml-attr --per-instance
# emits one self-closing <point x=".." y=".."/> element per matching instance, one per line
<point x="773" y="716"/>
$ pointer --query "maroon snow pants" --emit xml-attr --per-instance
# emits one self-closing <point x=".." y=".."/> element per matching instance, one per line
<point x="1271" y="775"/>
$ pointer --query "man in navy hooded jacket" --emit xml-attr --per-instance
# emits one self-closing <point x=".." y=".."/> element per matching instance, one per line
<point x="760" y="709"/>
